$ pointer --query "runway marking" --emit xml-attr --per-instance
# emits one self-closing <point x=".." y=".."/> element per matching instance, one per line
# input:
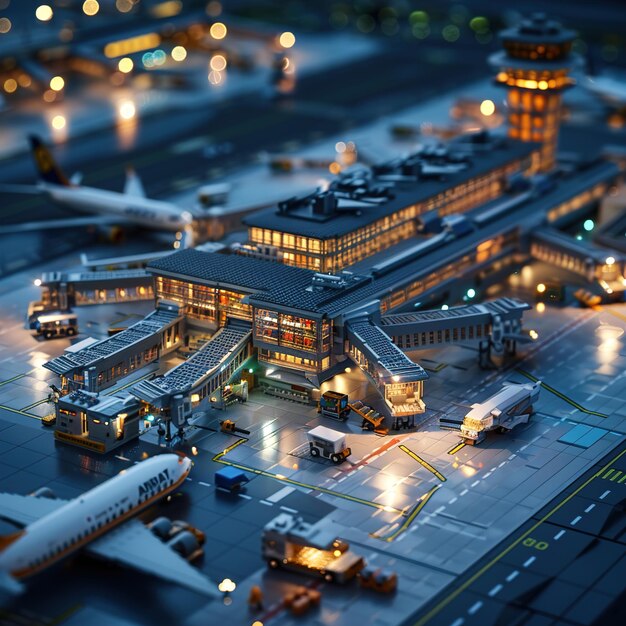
<point x="10" y="380"/>
<point x="423" y="463"/>
<point x="559" y="535"/>
<point x="219" y="458"/>
<point x="560" y="395"/>
<point x="457" y="448"/>
<point x="485" y="568"/>
<point x="420" y="504"/>
<point x="369" y="457"/>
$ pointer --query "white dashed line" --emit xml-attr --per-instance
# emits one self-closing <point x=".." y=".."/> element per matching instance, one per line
<point x="559" y="535"/>
<point x="501" y="464"/>
<point x="453" y="500"/>
<point x="475" y="483"/>
<point x="459" y="621"/>
<point x="512" y="456"/>
<point x="605" y="494"/>
<point x="203" y="484"/>
<point x="245" y="496"/>
<point x="121" y="458"/>
<point x="576" y="520"/>
<point x="286" y="508"/>
<point x="463" y="492"/>
<point x="266" y="503"/>
<point x="590" y="507"/>
<point x="495" y="590"/>
<point x="474" y="608"/>
<point x="512" y="576"/>
<point x="530" y="561"/>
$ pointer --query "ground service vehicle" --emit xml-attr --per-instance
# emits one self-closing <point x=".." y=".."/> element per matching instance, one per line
<point x="512" y="405"/>
<point x="56" y="325"/>
<point x="334" y="405"/>
<point x="328" y="443"/>
<point x="291" y="543"/>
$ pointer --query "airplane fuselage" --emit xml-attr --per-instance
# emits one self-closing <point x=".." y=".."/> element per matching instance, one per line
<point x="80" y="521"/>
<point x="153" y="214"/>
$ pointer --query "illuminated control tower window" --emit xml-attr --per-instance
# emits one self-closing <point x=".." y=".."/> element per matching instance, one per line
<point x="534" y="67"/>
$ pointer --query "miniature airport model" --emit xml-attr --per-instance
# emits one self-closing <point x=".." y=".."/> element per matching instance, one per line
<point x="101" y="522"/>
<point x="511" y="406"/>
<point x="328" y="443"/>
<point x="387" y="300"/>
<point x="290" y="543"/>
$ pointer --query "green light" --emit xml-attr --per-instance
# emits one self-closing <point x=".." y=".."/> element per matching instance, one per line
<point x="418" y="17"/>
<point x="471" y="292"/>
<point x="451" y="33"/>
<point x="589" y="225"/>
<point x="250" y="370"/>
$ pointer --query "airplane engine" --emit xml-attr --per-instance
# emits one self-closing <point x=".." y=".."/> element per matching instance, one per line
<point x="186" y="544"/>
<point x="161" y="527"/>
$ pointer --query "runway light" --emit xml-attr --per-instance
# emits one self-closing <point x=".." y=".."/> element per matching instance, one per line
<point x="44" y="13"/>
<point x="471" y="292"/>
<point x="534" y="334"/>
<point x="487" y="108"/>
<point x="218" y="62"/>
<point x="610" y="260"/>
<point x="37" y="282"/>
<point x="10" y="85"/>
<point x="57" y="83"/>
<point x="287" y="40"/>
<point x="127" y="110"/>
<point x="588" y="225"/>
<point x="90" y="7"/>
<point x="125" y="65"/>
<point x="58" y="122"/>
<point x="218" y="30"/>
<point x="179" y="53"/>
<point x="347" y="370"/>
<point x="541" y="288"/>
<point x="444" y="307"/>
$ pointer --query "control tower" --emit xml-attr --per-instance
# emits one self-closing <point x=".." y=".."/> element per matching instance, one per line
<point x="535" y="68"/>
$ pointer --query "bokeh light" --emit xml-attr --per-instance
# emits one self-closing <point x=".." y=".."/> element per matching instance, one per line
<point x="287" y="40"/>
<point x="218" y="30"/>
<point x="125" y="65"/>
<point x="44" y="13"/>
<point x="57" y="83"/>
<point x="179" y="53"/>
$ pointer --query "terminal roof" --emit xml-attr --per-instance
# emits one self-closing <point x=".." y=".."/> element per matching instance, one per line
<point x="404" y="194"/>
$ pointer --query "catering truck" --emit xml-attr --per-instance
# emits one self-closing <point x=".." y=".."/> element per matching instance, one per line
<point x="291" y="543"/>
<point x="512" y="405"/>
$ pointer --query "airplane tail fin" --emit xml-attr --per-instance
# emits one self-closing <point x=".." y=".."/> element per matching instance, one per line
<point x="47" y="167"/>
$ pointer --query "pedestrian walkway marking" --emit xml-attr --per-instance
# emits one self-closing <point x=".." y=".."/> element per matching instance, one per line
<point x="607" y="474"/>
<point x="616" y="475"/>
<point x="219" y="458"/>
<point x="457" y="448"/>
<point x="423" y="463"/>
<point x="560" y="395"/>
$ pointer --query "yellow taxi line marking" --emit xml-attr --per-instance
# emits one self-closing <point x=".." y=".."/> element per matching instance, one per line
<point x="457" y="448"/>
<point x="424" y="464"/>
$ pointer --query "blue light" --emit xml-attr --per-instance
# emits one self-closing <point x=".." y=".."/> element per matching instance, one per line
<point x="471" y="292"/>
<point x="588" y="225"/>
<point x="150" y="418"/>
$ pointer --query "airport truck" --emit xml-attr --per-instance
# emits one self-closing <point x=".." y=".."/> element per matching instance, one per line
<point x="328" y="444"/>
<point x="291" y="543"/>
<point x="56" y="325"/>
<point x="334" y="405"/>
<point x="512" y="405"/>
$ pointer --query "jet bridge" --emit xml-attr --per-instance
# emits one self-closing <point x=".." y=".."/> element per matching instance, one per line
<point x="493" y="324"/>
<point x="174" y="395"/>
<point x="95" y="365"/>
<point x="399" y="381"/>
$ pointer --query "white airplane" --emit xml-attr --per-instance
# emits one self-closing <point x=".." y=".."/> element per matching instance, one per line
<point x="101" y="523"/>
<point x="131" y="205"/>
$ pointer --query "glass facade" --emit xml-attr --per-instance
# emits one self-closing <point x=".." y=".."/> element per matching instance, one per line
<point x="337" y="253"/>
<point x="202" y="302"/>
<point x="296" y="362"/>
<point x="292" y="331"/>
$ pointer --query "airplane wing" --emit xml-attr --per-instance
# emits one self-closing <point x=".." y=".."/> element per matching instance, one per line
<point x="133" y="545"/>
<point x="24" y="510"/>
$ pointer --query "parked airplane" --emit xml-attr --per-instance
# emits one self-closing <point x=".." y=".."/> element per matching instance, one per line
<point x="100" y="522"/>
<point x="131" y="205"/>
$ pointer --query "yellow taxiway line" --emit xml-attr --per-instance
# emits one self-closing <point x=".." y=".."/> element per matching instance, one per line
<point x="424" y="464"/>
